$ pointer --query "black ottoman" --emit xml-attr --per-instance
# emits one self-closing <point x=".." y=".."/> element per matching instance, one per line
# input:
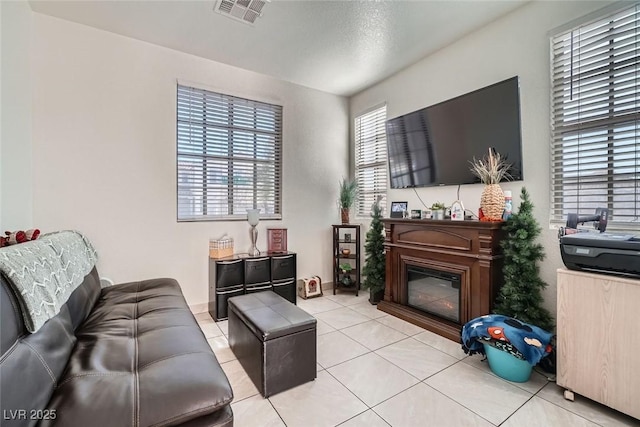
<point x="274" y="340"/>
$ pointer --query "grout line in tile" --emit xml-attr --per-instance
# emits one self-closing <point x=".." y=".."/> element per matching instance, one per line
<point x="274" y="408"/>
<point x="458" y="403"/>
<point x="348" y="389"/>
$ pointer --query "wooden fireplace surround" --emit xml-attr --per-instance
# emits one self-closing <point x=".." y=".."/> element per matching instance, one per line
<point x="468" y="248"/>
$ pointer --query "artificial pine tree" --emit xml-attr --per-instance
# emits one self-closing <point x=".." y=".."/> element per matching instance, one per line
<point x="374" y="265"/>
<point x="521" y="295"/>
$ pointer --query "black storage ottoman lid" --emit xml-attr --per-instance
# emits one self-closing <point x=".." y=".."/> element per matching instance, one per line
<point x="270" y="316"/>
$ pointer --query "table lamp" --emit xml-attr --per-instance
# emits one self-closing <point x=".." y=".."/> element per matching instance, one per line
<point x="253" y="216"/>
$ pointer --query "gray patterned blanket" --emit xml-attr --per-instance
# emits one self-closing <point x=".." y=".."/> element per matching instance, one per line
<point x="46" y="271"/>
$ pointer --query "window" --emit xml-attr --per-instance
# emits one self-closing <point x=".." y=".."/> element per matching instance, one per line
<point x="595" y="150"/>
<point x="371" y="159"/>
<point x="229" y="156"/>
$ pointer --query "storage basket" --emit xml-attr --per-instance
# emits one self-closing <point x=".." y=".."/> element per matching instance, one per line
<point x="506" y="365"/>
<point x="220" y="248"/>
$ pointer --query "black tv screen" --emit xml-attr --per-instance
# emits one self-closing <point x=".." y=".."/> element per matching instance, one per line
<point x="434" y="145"/>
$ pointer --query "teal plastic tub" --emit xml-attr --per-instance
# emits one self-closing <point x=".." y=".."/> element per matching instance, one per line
<point x="507" y="366"/>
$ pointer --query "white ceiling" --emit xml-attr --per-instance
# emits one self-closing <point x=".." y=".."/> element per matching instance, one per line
<point x="341" y="47"/>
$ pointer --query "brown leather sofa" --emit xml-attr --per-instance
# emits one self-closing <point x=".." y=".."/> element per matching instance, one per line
<point x="126" y="355"/>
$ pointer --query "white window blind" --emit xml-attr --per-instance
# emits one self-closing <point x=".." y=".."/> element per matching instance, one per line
<point x="595" y="119"/>
<point x="229" y="156"/>
<point x="371" y="159"/>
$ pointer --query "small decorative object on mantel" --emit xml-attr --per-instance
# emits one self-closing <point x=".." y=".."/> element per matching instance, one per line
<point x="348" y="195"/>
<point x="398" y="209"/>
<point x="457" y="211"/>
<point x="437" y="210"/>
<point x="416" y="213"/>
<point x="491" y="170"/>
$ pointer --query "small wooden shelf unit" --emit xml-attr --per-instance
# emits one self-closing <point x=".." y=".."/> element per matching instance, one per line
<point x="353" y="244"/>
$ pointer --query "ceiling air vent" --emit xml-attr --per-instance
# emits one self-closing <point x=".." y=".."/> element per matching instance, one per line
<point x="246" y="11"/>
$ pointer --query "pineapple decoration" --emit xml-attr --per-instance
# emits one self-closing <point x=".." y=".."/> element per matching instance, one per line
<point x="491" y="170"/>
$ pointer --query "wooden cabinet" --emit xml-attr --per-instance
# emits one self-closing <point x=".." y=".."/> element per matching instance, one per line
<point x="597" y="340"/>
<point x="346" y="237"/>
<point x="239" y="275"/>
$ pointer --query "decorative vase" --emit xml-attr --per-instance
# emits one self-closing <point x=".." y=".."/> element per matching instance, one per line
<point x="492" y="202"/>
<point x="344" y="213"/>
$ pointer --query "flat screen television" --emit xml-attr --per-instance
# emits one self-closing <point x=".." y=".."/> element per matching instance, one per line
<point x="434" y="145"/>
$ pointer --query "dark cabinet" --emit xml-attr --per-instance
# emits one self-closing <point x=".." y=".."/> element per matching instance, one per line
<point x="238" y="275"/>
<point x="346" y="251"/>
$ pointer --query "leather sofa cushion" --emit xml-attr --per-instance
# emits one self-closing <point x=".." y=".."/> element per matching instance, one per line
<point x="142" y="352"/>
<point x="270" y="316"/>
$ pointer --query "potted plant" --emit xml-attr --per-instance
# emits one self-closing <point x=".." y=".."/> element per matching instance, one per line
<point x="521" y="295"/>
<point x="346" y="268"/>
<point x="491" y="170"/>
<point x="348" y="194"/>
<point x="375" y="262"/>
<point x="437" y="210"/>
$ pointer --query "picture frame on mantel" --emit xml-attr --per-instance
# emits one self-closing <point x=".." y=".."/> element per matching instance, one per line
<point x="398" y="209"/>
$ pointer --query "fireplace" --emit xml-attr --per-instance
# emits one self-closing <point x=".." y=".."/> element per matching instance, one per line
<point x="434" y="292"/>
<point x="441" y="274"/>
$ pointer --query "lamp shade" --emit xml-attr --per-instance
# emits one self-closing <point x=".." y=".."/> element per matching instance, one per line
<point x="253" y="216"/>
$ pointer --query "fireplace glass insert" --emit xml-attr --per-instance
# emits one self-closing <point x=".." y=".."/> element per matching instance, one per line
<point x="434" y="292"/>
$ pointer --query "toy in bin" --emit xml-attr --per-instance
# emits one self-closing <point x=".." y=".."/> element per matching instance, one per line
<point x="221" y="248"/>
<point x="310" y="287"/>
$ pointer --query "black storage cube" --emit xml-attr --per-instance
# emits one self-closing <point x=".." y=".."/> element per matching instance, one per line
<point x="256" y="270"/>
<point x="228" y="273"/>
<point x="283" y="267"/>
<point x="222" y="296"/>
<point x="286" y="289"/>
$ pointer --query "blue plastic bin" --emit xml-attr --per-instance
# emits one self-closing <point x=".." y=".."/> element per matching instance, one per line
<point x="507" y="366"/>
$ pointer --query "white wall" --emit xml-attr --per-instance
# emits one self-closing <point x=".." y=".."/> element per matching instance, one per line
<point x="104" y="144"/>
<point x="15" y="117"/>
<point x="516" y="44"/>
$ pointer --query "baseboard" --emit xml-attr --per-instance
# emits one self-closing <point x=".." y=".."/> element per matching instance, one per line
<point x="327" y="286"/>
<point x="199" y="308"/>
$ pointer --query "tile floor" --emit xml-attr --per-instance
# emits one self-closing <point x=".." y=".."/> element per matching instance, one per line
<point x="377" y="370"/>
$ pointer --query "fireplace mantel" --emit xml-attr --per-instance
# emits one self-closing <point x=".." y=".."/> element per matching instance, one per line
<point x="468" y="248"/>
